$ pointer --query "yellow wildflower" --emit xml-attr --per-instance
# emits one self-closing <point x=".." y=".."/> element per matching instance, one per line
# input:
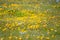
<point x="1" y="38"/>
<point x="44" y="25"/>
<point x="19" y="28"/>
<point x="20" y="38"/>
<point x="41" y="37"/>
<point x="16" y="37"/>
<point x="10" y="37"/>
<point x="38" y="37"/>
<point x="14" y="4"/>
<point x="53" y="36"/>
<point x="1" y="8"/>
<point x="37" y="26"/>
<point x="42" y="15"/>
<point x="23" y="31"/>
<point x="48" y="32"/>
<point x="51" y="29"/>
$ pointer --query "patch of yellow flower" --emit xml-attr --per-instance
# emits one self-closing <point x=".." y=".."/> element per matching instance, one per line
<point x="12" y="24"/>
<point x="8" y="25"/>
<point x="48" y="32"/>
<point x="45" y="25"/>
<point x="10" y="37"/>
<point x="53" y="36"/>
<point x="19" y="28"/>
<point x="1" y="8"/>
<point x="16" y="37"/>
<point x="51" y="29"/>
<point x="40" y="37"/>
<point x="23" y="30"/>
<point x="20" y="38"/>
<point x="1" y="38"/>
<point x="42" y="15"/>
<point x="21" y="18"/>
<point x="33" y="16"/>
<point x="14" y="5"/>
<point x="33" y="27"/>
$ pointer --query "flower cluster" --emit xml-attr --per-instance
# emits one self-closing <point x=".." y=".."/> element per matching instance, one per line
<point x="29" y="20"/>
